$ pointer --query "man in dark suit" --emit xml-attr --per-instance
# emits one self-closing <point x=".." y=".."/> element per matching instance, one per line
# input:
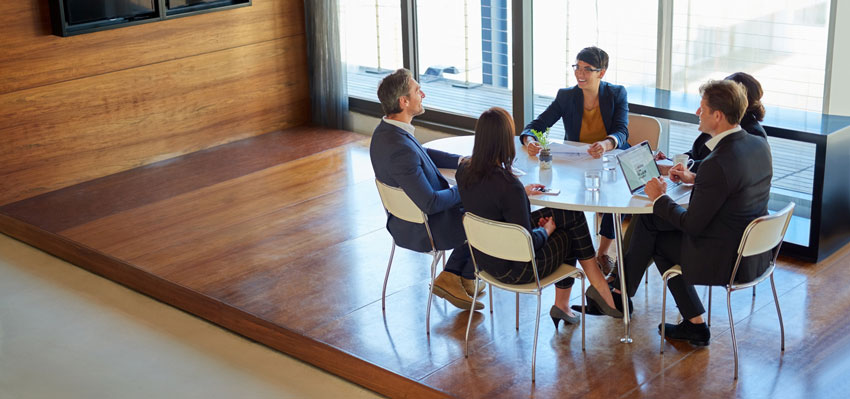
<point x="400" y="161"/>
<point x="731" y="189"/>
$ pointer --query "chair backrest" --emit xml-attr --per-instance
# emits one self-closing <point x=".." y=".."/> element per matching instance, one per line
<point x="498" y="239"/>
<point x="766" y="232"/>
<point x="399" y="204"/>
<point x="642" y="127"/>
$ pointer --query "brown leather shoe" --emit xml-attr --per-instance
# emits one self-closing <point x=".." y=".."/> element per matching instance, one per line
<point x="469" y="286"/>
<point x="606" y="264"/>
<point x="449" y="287"/>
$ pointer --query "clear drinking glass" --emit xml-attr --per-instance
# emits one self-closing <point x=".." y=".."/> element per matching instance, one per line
<point x="592" y="179"/>
<point x="609" y="162"/>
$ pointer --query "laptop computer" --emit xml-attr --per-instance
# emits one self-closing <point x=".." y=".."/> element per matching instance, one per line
<point x="638" y="166"/>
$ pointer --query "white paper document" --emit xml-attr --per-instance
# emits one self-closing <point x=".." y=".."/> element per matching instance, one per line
<point x="564" y="148"/>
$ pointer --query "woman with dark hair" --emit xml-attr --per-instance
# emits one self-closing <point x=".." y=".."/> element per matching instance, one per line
<point x="593" y="112"/>
<point x="750" y="122"/>
<point x="489" y="189"/>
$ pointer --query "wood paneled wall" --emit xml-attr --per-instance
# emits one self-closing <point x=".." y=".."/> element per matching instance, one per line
<point x="77" y="108"/>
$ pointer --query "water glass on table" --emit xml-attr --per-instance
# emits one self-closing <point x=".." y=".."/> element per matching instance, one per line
<point x="592" y="179"/>
<point x="609" y="162"/>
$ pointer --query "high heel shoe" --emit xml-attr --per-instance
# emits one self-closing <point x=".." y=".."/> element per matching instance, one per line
<point x="557" y="315"/>
<point x="593" y="296"/>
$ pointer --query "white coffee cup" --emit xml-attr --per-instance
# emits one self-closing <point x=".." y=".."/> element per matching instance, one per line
<point x="683" y="159"/>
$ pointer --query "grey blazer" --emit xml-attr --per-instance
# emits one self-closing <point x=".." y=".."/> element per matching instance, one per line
<point x="400" y="161"/>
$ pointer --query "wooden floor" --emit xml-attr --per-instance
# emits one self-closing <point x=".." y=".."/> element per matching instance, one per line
<point x="281" y="238"/>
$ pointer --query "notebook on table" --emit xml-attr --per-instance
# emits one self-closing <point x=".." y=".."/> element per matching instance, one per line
<point x="638" y="166"/>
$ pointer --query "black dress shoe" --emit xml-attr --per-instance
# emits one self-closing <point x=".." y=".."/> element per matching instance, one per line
<point x="589" y="309"/>
<point x="618" y="301"/>
<point x="696" y="334"/>
<point x="594" y="297"/>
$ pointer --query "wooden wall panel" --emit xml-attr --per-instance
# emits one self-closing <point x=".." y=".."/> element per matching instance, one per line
<point x="33" y="56"/>
<point x="77" y="108"/>
<point x="74" y="131"/>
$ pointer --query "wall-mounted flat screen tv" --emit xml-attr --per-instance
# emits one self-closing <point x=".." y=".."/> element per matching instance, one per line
<point x="74" y="17"/>
<point x="183" y="6"/>
<point x="83" y="11"/>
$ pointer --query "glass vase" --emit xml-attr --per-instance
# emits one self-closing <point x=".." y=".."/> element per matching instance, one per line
<point x="545" y="159"/>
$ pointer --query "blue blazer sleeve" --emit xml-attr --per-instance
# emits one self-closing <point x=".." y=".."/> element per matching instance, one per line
<point x="443" y="159"/>
<point x="406" y="170"/>
<point x="556" y="110"/>
<point x="619" y="114"/>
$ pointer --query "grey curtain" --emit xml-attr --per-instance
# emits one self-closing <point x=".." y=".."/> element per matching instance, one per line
<point x="328" y="89"/>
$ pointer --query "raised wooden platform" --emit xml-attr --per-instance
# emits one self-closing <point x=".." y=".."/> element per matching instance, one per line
<point x="281" y="238"/>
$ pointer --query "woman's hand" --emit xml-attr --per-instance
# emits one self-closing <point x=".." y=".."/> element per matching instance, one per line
<point x="547" y="224"/>
<point x="600" y="147"/>
<point x="534" y="189"/>
<point x="532" y="147"/>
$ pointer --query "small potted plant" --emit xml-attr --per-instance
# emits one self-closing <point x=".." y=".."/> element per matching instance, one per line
<point x="545" y="155"/>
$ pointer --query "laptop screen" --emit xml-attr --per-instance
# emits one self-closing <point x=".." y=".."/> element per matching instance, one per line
<point x="638" y="165"/>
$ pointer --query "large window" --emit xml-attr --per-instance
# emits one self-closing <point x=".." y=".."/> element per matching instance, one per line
<point x="464" y="54"/>
<point x="463" y="47"/>
<point x="627" y="31"/>
<point x="782" y="43"/>
<point x="371" y="43"/>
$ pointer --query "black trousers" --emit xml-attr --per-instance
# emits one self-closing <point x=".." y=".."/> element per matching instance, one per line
<point x="655" y="239"/>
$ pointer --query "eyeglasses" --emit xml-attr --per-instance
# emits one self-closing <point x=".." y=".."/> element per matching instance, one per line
<point x="586" y="69"/>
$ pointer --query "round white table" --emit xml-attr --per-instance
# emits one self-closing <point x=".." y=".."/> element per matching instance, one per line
<point x="567" y="174"/>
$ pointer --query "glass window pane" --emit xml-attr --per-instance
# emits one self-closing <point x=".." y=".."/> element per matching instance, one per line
<point x="782" y="43"/>
<point x="627" y="31"/>
<point x="371" y="43"/>
<point x="464" y="54"/>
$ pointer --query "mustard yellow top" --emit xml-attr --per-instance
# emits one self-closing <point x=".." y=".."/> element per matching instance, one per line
<point x="592" y="127"/>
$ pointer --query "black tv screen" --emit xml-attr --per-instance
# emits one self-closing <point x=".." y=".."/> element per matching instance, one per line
<point x="192" y="5"/>
<point x="82" y="11"/>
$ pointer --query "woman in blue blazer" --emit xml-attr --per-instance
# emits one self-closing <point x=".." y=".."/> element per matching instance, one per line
<point x="593" y="112"/>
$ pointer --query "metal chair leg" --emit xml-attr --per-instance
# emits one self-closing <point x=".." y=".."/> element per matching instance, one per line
<point x="663" y="310"/>
<point x="490" y="288"/>
<point x="732" y="329"/>
<point x="387" y="277"/>
<point x="778" y="312"/>
<point x="517" y="311"/>
<point x="469" y="321"/>
<point x="536" y="328"/>
<point x="708" y="322"/>
<point x="754" y="290"/>
<point x="431" y="293"/>
<point x="582" y="312"/>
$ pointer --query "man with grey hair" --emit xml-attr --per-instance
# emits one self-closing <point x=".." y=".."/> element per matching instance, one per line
<point x="400" y="161"/>
<point x="730" y="190"/>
